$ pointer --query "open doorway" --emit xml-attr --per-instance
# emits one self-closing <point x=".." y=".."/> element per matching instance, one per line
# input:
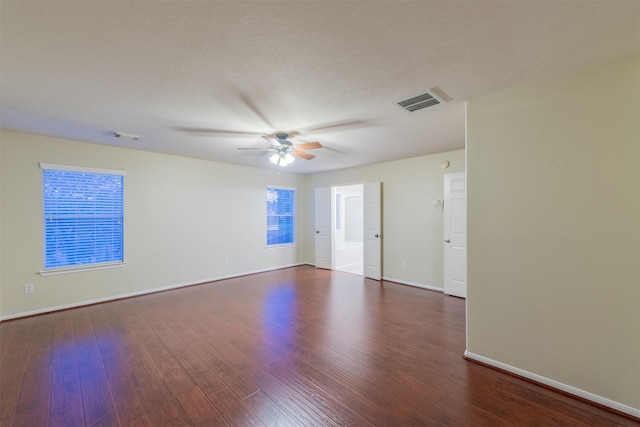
<point x="337" y="229"/>
<point x="348" y="242"/>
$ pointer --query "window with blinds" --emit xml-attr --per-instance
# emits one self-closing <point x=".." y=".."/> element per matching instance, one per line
<point x="281" y="216"/>
<point x="83" y="217"/>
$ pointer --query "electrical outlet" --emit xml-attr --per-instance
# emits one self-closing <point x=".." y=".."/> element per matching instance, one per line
<point x="404" y="265"/>
<point x="249" y="258"/>
<point x="29" y="288"/>
<point x="227" y="260"/>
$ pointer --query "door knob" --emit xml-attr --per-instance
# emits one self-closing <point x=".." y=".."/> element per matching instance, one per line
<point x="447" y="241"/>
<point x="376" y="236"/>
<point x="317" y="231"/>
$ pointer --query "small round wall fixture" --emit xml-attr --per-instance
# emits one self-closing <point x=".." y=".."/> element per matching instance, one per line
<point x="445" y="164"/>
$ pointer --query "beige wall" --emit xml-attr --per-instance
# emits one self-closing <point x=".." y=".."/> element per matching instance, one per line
<point x="182" y="217"/>
<point x="411" y="231"/>
<point x="554" y="229"/>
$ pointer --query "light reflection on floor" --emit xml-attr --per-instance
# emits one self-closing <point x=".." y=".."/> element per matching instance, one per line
<point x="346" y="305"/>
<point x="279" y="318"/>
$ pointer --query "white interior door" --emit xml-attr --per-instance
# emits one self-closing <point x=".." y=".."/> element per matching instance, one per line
<point x="373" y="230"/>
<point x="455" y="234"/>
<point x="323" y="228"/>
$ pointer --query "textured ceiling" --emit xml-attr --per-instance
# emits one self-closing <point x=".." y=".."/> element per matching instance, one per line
<point x="202" y="78"/>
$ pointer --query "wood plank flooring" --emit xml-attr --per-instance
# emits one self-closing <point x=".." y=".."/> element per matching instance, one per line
<point x="293" y="347"/>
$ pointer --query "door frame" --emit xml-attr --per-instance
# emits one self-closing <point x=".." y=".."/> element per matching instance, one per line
<point x="375" y="256"/>
<point x="455" y="240"/>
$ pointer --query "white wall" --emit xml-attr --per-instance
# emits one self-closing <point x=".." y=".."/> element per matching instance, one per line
<point x="355" y="220"/>
<point x="182" y="217"/>
<point x="411" y="231"/>
<point x="554" y="230"/>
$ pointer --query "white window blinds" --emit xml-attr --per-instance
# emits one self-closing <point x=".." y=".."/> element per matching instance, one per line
<point x="83" y="217"/>
<point x="281" y="216"/>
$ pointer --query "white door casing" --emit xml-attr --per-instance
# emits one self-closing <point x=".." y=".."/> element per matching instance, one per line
<point x="455" y="234"/>
<point x="373" y="230"/>
<point x="323" y="227"/>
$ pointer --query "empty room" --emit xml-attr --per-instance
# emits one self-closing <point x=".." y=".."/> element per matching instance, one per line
<point x="319" y="213"/>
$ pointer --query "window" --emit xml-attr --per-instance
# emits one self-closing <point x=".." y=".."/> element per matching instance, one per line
<point x="83" y="217"/>
<point x="281" y="216"/>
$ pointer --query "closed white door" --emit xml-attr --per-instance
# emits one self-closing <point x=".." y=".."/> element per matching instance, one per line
<point x="455" y="234"/>
<point x="373" y="230"/>
<point x="323" y="228"/>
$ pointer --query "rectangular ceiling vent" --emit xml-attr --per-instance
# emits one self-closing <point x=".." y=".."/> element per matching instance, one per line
<point x="419" y="102"/>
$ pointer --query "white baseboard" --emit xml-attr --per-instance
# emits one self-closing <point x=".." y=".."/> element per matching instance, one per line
<point x="417" y="285"/>
<point x="555" y="384"/>
<point x="403" y="282"/>
<point x="138" y="293"/>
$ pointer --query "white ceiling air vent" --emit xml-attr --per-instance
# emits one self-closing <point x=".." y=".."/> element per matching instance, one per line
<point x="419" y="102"/>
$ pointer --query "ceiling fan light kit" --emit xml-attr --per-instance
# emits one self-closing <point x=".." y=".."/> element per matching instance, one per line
<point x="284" y="151"/>
<point x="282" y="159"/>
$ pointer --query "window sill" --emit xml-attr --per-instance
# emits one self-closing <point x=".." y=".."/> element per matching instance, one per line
<point x="284" y="245"/>
<point x="68" y="270"/>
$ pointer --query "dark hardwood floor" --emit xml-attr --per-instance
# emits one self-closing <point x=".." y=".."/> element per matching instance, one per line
<point x="293" y="347"/>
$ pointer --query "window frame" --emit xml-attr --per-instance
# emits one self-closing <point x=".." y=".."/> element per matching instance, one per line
<point x="294" y="217"/>
<point x="46" y="271"/>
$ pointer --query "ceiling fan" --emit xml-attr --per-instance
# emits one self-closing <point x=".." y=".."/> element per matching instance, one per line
<point x="284" y="151"/>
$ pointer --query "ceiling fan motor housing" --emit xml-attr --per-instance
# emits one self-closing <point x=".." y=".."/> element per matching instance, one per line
<point x="282" y="140"/>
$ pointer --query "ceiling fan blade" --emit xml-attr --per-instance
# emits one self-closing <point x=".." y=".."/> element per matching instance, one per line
<point x="273" y="140"/>
<point x="253" y="107"/>
<point x="307" y="146"/>
<point x="337" y="126"/>
<point x="209" y="131"/>
<point x="302" y="155"/>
